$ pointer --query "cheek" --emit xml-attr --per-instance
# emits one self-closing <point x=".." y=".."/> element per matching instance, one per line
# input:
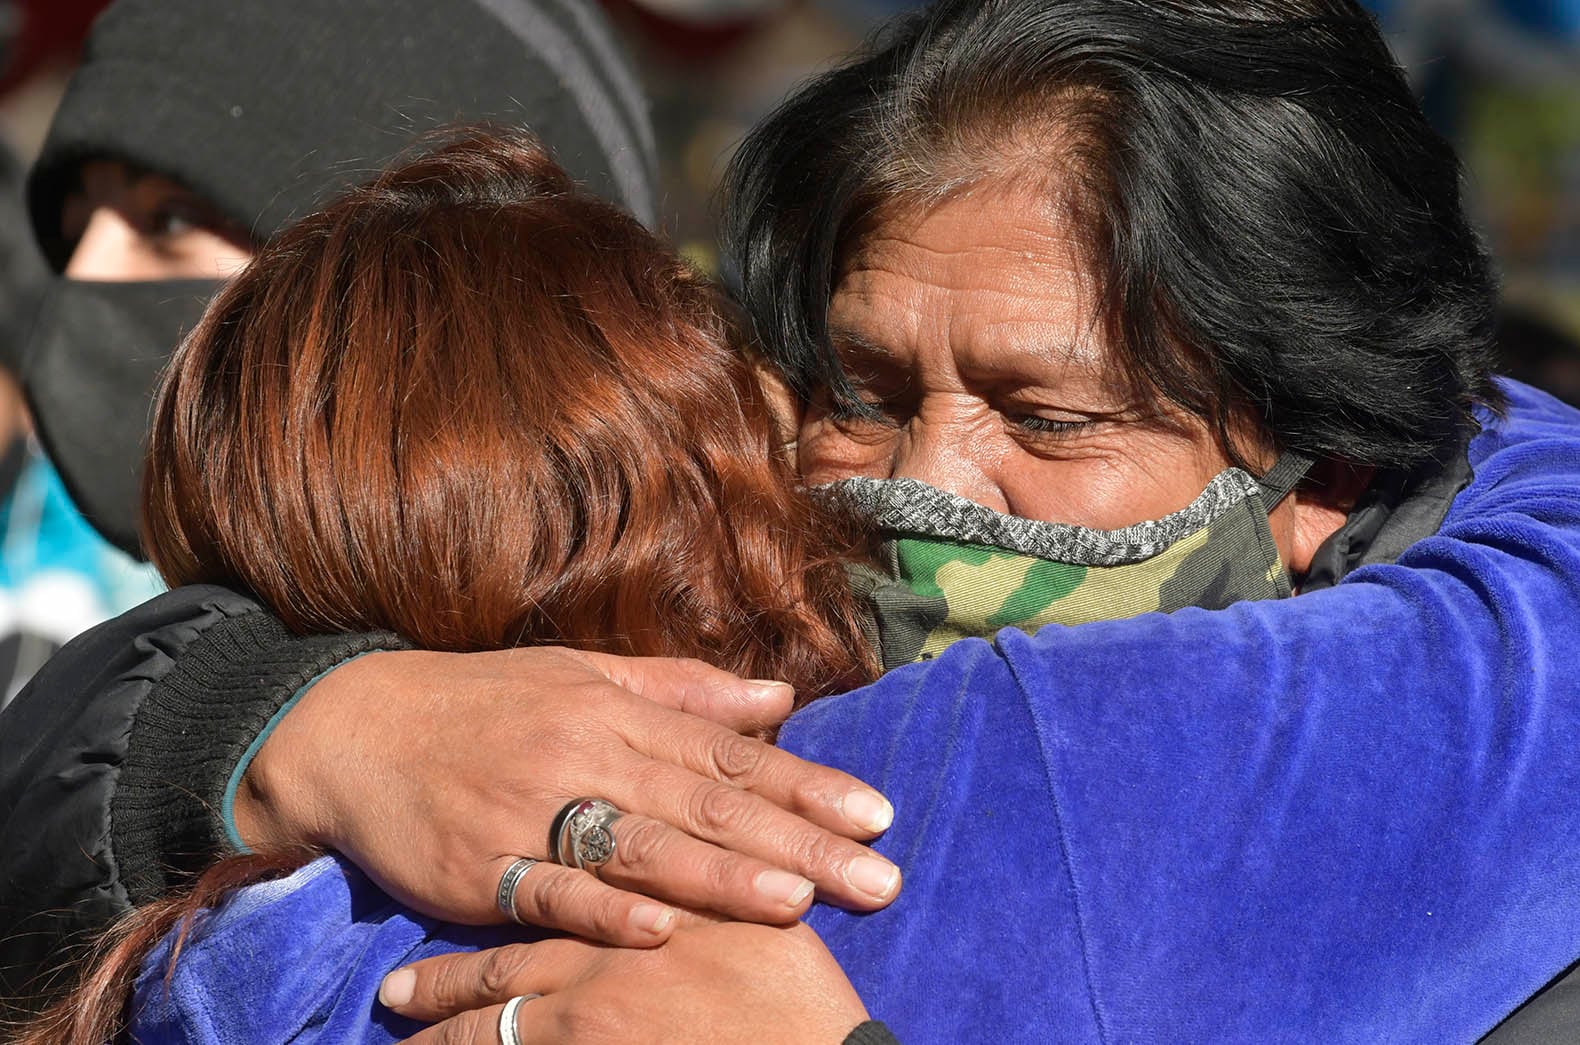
<point x="825" y="453"/>
<point x="1108" y="488"/>
<point x="111" y="249"/>
<point x="208" y="255"/>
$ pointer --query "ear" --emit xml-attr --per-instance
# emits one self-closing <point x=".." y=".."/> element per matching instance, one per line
<point x="784" y="406"/>
<point x="1315" y="509"/>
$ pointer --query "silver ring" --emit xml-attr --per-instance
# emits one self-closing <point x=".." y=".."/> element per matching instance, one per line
<point x="508" y="1034"/>
<point x="584" y="840"/>
<point x="505" y="895"/>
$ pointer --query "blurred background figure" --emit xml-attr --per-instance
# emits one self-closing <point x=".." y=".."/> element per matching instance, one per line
<point x="1501" y="78"/>
<point x="58" y="577"/>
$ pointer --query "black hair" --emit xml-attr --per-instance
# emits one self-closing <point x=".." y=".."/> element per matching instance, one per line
<point x="1272" y="222"/>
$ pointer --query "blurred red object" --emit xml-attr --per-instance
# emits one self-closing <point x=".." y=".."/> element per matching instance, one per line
<point x="46" y="31"/>
<point x="680" y="33"/>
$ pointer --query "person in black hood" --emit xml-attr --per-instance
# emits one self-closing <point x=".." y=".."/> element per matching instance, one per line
<point x="58" y="576"/>
<point x="193" y="131"/>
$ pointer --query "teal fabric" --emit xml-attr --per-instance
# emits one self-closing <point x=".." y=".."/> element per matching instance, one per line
<point x="1344" y="817"/>
<point x="43" y="535"/>
<point x="58" y="577"/>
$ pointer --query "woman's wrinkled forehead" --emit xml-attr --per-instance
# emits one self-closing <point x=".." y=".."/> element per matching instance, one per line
<point x="995" y="276"/>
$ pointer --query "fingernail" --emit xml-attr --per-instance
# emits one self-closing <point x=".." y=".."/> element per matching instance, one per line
<point x="651" y="917"/>
<point x="868" y="810"/>
<point x="874" y="876"/>
<point x="769" y="689"/>
<point x="397" y="988"/>
<point x="783" y="887"/>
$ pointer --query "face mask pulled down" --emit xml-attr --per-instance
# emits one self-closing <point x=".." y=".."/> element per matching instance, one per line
<point x="948" y="568"/>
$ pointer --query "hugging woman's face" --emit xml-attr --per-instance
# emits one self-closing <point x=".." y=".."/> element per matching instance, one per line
<point x="972" y="327"/>
<point x="985" y="231"/>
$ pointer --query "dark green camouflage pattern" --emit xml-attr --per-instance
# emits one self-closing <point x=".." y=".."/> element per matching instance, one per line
<point x="927" y="592"/>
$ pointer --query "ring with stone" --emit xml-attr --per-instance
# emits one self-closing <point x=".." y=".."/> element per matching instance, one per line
<point x="585" y="839"/>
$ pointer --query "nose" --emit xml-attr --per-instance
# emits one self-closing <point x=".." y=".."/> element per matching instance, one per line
<point x="110" y="249"/>
<point x="950" y="457"/>
<point x="114" y="249"/>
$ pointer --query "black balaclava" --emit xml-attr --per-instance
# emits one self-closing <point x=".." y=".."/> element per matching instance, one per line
<point x="267" y="110"/>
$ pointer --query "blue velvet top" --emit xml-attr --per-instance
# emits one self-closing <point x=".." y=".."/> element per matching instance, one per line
<point x="1348" y="816"/>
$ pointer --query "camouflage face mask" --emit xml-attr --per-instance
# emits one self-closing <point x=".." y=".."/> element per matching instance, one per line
<point x="949" y="569"/>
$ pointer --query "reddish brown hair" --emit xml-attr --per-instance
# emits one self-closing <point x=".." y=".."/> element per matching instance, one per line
<point x="475" y="406"/>
<point x="94" y="1011"/>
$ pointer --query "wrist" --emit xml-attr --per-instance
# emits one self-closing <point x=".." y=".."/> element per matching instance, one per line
<point x="276" y="798"/>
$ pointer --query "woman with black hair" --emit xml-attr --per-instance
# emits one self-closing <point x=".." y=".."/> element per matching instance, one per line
<point x="1048" y="278"/>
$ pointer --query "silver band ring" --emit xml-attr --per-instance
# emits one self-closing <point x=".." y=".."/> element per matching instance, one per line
<point x="584" y="840"/>
<point x="508" y="1035"/>
<point x="505" y="895"/>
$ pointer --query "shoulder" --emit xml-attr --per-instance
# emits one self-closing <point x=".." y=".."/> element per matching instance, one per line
<point x="1526" y="473"/>
<point x="294" y="959"/>
<point x="1535" y="430"/>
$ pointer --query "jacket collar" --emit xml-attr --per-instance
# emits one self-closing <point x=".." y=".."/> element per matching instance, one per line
<point x="1397" y="510"/>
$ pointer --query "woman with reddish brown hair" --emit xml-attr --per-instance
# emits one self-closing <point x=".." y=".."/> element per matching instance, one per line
<point x="477" y="407"/>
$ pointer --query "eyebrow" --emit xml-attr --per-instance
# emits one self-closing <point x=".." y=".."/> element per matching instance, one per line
<point x="857" y="349"/>
<point x="867" y="364"/>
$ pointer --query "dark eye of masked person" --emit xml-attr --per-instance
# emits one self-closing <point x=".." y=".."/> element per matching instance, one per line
<point x="126" y="224"/>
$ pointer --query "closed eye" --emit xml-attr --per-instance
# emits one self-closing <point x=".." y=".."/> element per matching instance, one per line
<point x="865" y="416"/>
<point x="1046" y="426"/>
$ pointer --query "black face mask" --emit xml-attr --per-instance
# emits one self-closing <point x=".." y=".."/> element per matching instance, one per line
<point x="90" y="367"/>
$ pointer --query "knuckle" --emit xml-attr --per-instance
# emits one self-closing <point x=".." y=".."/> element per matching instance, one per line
<point x="601" y="1022"/>
<point x="694" y="667"/>
<point x="499" y="969"/>
<point x="542" y="899"/>
<point x="572" y="901"/>
<point x="821" y="855"/>
<point x="447" y="984"/>
<point x="719" y="808"/>
<point x="725" y="872"/>
<point x="606" y="921"/>
<point x="737" y="757"/>
<point x="465" y="1029"/>
<point x="639" y="844"/>
<point x="563" y="736"/>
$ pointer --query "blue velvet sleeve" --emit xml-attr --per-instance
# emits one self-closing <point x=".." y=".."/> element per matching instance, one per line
<point x="1350" y="816"/>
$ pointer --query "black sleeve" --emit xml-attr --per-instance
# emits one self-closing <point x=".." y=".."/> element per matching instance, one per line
<point x="871" y="1033"/>
<point x="1552" y="1014"/>
<point x="114" y="760"/>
